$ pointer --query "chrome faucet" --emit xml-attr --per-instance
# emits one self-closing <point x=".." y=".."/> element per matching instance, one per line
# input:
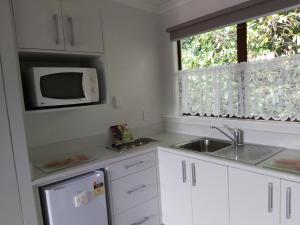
<point x="236" y="139"/>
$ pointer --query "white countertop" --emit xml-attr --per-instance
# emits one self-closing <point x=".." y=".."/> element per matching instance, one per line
<point x="104" y="157"/>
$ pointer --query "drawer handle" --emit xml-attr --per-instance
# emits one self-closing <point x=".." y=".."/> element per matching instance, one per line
<point x="135" y="164"/>
<point x="270" y="197"/>
<point x="137" y="189"/>
<point x="194" y="179"/>
<point x="183" y="171"/>
<point x="288" y="203"/>
<point x="144" y="220"/>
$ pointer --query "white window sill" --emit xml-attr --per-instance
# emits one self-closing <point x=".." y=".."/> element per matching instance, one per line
<point x="243" y="124"/>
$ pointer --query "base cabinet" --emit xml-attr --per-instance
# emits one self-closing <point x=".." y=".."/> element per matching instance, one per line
<point x="175" y="188"/>
<point x="290" y="203"/>
<point x="144" y="214"/>
<point x="134" y="190"/>
<point x="254" y="199"/>
<point x="193" y="192"/>
<point x="209" y="194"/>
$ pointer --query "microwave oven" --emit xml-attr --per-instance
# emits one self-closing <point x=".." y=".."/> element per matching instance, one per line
<point x="61" y="86"/>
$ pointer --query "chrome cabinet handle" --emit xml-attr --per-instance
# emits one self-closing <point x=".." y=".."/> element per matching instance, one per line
<point x="270" y="197"/>
<point x="144" y="220"/>
<point x="55" y="19"/>
<point x="72" y="41"/>
<point x="135" y="164"/>
<point x="194" y="181"/>
<point x="288" y="203"/>
<point x="137" y="189"/>
<point x="183" y="171"/>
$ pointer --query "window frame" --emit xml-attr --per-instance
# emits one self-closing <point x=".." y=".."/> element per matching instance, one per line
<point x="241" y="56"/>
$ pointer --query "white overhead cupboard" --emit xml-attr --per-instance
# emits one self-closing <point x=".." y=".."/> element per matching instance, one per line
<point x="10" y="206"/>
<point x="65" y="25"/>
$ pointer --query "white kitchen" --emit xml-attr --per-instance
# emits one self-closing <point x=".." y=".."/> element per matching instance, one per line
<point x="150" y="112"/>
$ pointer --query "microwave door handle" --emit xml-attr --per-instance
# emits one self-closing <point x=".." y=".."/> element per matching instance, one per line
<point x="85" y="85"/>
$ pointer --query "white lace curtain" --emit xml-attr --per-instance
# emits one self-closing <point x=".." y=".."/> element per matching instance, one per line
<point x="268" y="89"/>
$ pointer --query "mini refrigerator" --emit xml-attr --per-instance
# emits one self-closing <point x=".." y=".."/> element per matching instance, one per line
<point x="77" y="201"/>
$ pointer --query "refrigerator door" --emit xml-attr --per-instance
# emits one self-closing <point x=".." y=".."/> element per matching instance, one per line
<point x="80" y="201"/>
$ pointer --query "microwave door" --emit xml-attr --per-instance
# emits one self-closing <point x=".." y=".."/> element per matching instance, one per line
<point x="63" y="89"/>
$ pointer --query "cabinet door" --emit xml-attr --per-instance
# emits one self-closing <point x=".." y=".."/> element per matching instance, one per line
<point x="10" y="208"/>
<point x="290" y="203"/>
<point x="175" y="184"/>
<point x="38" y="24"/>
<point x="82" y="25"/>
<point x="254" y="199"/>
<point x="209" y="194"/>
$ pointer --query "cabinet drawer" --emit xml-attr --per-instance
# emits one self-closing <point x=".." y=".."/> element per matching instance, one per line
<point x="132" y="165"/>
<point x="144" y="214"/>
<point x="132" y="190"/>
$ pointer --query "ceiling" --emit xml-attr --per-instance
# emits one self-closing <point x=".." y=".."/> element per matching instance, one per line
<point x="157" y="6"/>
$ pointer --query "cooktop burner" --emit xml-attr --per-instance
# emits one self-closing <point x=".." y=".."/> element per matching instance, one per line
<point x="140" y="142"/>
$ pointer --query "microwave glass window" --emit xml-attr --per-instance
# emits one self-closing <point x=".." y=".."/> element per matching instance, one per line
<point x="62" y="85"/>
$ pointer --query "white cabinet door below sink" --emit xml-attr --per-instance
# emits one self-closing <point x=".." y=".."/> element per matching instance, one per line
<point x="175" y="189"/>
<point x="254" y="199"/>
<point x="209" y="194"/>
<point x="290" y="203"/>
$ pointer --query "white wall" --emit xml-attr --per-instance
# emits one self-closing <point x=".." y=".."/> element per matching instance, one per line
<point x="132" y="74"/>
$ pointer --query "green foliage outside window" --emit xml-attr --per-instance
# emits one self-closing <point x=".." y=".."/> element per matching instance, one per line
<point x="274" y="36"/>
<point x="268" y="37"/>
<point x="209" y="49"/>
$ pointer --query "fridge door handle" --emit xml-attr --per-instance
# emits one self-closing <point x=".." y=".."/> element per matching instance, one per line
<point x="108" y="195"/>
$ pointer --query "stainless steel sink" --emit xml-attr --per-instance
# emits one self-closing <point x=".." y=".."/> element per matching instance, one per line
<point x="204" y="145"/>
<point x="247" y="153"/>
<point x="250" y="154"/>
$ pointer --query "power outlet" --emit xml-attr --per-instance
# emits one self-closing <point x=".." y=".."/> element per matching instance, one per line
<point x="145" y="115"/>
<point x="116" y="103"/>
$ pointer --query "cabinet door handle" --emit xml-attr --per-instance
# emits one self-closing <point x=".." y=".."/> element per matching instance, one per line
<point x="56" y="25"/>
<point x="137" y="189"/>
<point x="270" y="197"/>
<point x="144" y="220"/>
<point x="183" y="171"/>
<point x="288" y="203"/>
<point x="134" y="164"/>
<point x="72" y="41"/>
<point x="194" y="180"/>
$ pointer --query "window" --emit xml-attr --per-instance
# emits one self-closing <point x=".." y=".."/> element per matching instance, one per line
<point x="274" y="36"/>
<point x="248" y="70"/>
<point x="210" y="49"/>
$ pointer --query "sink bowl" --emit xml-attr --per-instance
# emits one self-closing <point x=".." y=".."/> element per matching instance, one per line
<point x="204" y="145"/>
<point x="250" y="154"/>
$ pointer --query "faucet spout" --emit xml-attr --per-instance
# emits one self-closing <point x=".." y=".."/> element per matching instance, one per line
<point x="236" y="139"/>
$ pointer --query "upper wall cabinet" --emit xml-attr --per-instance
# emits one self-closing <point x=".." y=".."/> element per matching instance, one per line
<point x="39" y="24"/>
<point x="82" y="25"/>
<point x="71" y="25"/>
